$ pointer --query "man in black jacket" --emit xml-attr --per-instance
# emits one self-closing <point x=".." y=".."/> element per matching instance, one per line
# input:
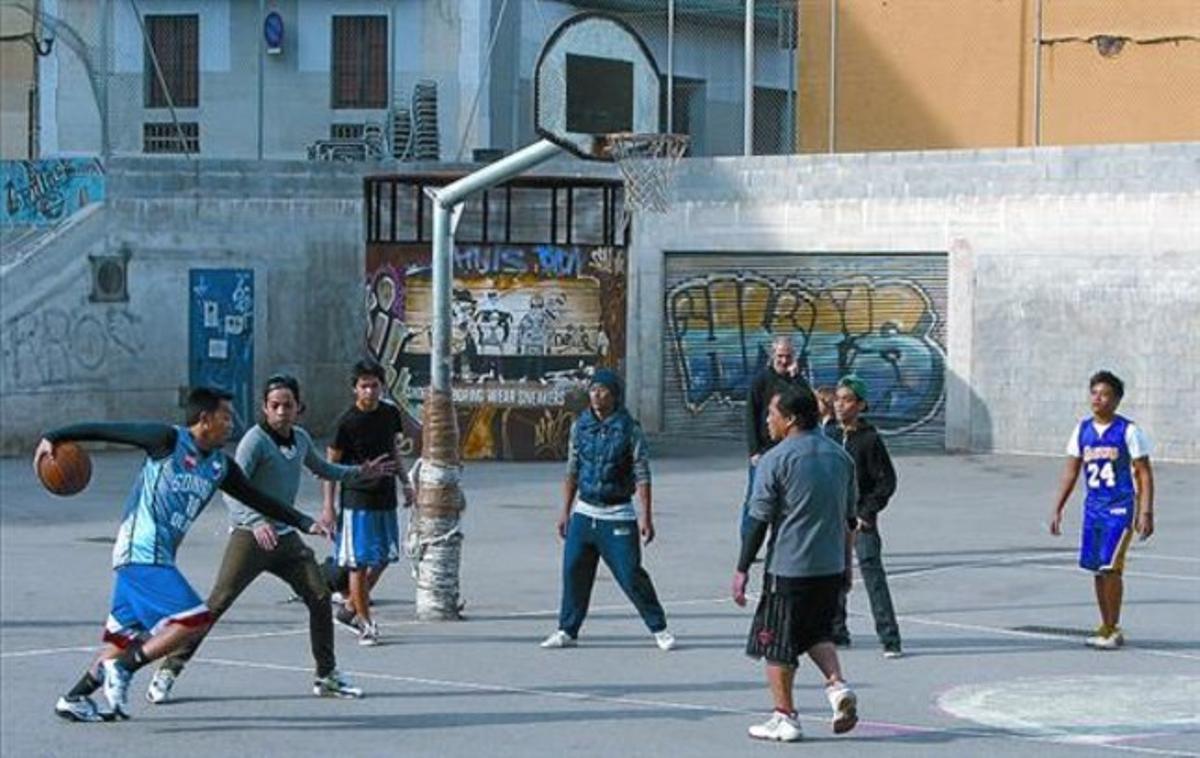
<point x="876" y="484"/>
<point x="780" y="374"/>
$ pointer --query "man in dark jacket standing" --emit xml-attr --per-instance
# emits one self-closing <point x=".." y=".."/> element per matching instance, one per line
<point x="778" y="375"/>
<point x="876" y="484"/>
<point x="607" y="462"/>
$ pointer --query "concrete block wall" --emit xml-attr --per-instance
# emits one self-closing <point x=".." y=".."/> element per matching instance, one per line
<point x="1061" y="261"/>
<point x="299" y="225"/>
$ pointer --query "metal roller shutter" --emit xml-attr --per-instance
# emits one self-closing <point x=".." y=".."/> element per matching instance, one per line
<point x="880" y="316"/>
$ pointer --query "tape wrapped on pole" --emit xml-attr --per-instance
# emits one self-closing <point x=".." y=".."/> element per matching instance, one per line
<point x="437" y="540"/>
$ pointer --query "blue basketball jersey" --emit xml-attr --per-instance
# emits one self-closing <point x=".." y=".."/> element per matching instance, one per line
<point x="165" y="500"/>
<point x="1107" y="465"/>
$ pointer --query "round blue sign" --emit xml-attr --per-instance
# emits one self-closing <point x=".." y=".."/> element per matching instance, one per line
<point x="273" y="30"/>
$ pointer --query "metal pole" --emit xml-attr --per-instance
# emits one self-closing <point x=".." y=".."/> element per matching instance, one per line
<point x="833" y="14"/>
<point x="1037" y="78"/>
<point x="262" y="51"/>
<point x="793" y="38"/>
<point x="444" y="200"/>
<point x="106" y="52"/>
<point x="440" y="500"/>
<point x="748" y="84"/>
<point x="670" y="66"/>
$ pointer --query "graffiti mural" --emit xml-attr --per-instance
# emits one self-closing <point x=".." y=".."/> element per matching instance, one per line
<point x="887" y="330"/>
<point x="58" y="347"/>
<point x="41" y="193"/>
<point x="529" y="324"/>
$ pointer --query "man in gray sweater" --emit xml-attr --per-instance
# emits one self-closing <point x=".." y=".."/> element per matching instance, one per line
<point x="272" y="453"/>
<point x="805" y="494"/>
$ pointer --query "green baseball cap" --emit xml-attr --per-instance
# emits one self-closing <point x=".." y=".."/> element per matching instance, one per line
<point x="855" y="385"/>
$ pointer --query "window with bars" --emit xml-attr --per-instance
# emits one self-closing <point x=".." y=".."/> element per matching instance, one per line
<point x="346" y="131"/>
<point x="164" y="137"/>
<point x="175" y="42"/>
<point x="360" y="62"/>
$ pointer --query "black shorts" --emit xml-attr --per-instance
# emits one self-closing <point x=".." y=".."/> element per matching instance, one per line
<point x="792" y="618"/>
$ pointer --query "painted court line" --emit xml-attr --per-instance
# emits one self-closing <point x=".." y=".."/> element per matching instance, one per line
<point x="999" y="630"/>
<point x="1069" y="740"/>
<point x="404" y="622"/>
<point x="1147" y="574"/>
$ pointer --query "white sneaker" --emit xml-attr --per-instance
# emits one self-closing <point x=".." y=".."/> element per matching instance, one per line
<point x="116" y="688"/>
<point x="845" y="707"/>
<point x="159" y="690"/>
<point x="559" y="639"/>
<point x="335" y="685"/>
<point x="80" y="708"/>
<point x="780" y="727"/>
<point x="368" y="635"/>
<point x="665" y="640"/>
<point x="1110" y="641"/>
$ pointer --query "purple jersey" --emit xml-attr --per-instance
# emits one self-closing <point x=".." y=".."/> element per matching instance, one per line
<point x="1107" y="465"/>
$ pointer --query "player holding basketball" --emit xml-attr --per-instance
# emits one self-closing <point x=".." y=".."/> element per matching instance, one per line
<point x="1114" y="454"/>
<point x="154" y="609"/>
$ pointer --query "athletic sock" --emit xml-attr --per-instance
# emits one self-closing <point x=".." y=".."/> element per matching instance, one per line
<point x="133" y="657"/>
<point x="87" y="684"/>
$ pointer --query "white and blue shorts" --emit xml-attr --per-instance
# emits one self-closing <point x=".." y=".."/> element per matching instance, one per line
<point x="367" y="538"/>
<point x="147" y="598"/>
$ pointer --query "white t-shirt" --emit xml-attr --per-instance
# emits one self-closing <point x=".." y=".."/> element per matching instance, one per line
<point x="1135" y="439"/>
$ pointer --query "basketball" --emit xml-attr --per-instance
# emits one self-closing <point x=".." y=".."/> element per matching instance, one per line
<point x="68" y="472"/>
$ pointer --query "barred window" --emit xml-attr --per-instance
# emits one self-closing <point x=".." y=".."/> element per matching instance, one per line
<point x="360" y="62"/>
<point x="163" y="137"/>
<point x="175" y="42"/>
<point x="346" y="131"/>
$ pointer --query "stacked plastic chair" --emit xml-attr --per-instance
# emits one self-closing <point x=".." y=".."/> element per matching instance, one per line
<point x="426" y="144"/>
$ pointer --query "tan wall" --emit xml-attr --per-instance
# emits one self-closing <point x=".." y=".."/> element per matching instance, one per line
<point x="16" y="82"/>
<point x="928" y="74"/>
<point x="1149" y="91"/>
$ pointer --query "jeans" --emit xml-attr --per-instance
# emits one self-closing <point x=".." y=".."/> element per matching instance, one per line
<point x="589" y="540"/>
<point x="868" y="545"/>
<point x="293" y="562"/>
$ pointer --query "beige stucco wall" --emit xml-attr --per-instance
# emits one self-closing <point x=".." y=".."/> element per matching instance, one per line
<point x="920" y="74"/>
<point x="16" y="81"/>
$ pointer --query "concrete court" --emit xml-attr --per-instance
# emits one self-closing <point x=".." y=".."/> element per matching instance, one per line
<point x="992" y="614"/>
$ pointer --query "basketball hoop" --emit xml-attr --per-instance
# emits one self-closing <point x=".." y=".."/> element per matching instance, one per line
<point x="647" y="162"/>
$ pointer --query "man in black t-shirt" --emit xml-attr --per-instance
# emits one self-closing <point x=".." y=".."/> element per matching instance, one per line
<point x="367" y="535"/>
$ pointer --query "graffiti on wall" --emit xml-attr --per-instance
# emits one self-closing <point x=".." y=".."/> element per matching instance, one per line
<point x="886" y="330"/>
<point x="529" y="324"/>
<point x="57" y="347"/>
<point x="41" y="193"/>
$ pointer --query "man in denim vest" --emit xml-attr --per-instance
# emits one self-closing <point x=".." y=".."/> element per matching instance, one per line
<point x="607" y="462"/>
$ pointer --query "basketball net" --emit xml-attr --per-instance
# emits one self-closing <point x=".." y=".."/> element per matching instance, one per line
<point x="647" y="163"/>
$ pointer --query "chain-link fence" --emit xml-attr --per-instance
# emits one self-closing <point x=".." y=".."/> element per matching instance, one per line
<point x="443" y="80"/>
<point x="700" y="49"/>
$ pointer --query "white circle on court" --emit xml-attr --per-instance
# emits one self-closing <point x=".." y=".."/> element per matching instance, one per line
<point x="1080" y="708"/>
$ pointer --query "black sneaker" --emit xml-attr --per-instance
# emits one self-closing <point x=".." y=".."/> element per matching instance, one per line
<point x="348" y="620"/>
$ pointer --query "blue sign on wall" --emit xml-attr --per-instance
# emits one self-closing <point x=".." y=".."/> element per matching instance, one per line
<point x="221" y="335"/>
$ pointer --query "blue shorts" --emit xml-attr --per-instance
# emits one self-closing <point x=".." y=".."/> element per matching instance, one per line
<point x="366" y="538"/>
<point x="147" y="598"/>
<point x="1107" y="533"/>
